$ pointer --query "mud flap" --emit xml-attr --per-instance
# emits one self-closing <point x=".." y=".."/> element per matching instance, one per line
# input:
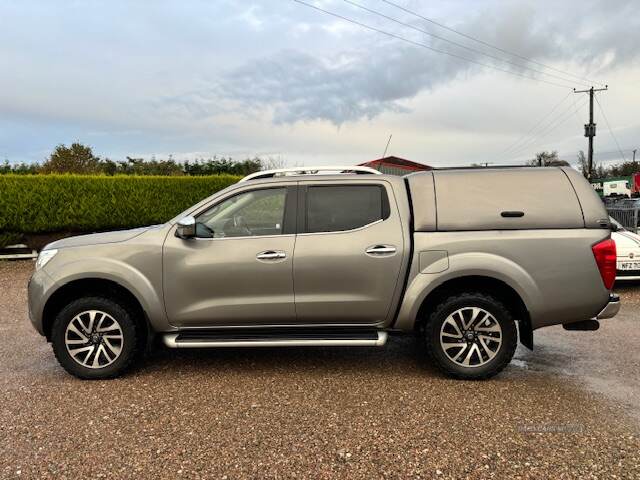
<point x="526" y="333"/>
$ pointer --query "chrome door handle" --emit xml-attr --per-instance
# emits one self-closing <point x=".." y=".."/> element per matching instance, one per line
<point x="380" y="250"/>
<point x="271" y="255"/>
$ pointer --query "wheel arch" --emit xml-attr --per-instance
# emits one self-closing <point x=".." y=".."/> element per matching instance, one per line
<point x="99" y="287"/>
<point x="484" y="284"/>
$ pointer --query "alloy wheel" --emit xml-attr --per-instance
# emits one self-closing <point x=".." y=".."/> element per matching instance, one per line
<point x="471" y="337"/>
<point x="94" y="339"/>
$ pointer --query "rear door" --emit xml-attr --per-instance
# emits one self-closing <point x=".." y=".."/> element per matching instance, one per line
<point x="348" y="253"/>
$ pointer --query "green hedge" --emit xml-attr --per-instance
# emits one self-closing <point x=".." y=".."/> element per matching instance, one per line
<point x="83" y="203"/>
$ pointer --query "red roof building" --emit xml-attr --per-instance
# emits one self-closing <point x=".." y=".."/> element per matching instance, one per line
<point x="396" y="166"/>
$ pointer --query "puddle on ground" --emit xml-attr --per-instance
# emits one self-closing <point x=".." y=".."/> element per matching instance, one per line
<point x="517" y="362"/>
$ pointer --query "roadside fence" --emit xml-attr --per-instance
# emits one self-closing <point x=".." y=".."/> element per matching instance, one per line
<point x="627" y="216"/>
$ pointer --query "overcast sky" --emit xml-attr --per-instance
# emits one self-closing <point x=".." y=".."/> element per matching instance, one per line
<point x="276" y="78"/>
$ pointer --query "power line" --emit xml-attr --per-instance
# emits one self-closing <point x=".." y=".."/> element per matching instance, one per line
<point x="565" y="155"/>
<point x="615" y="151"/>
<point x="486" y="44"/>
<point x="460" y="45"/>
<point x="422" y="45"/>
<point x="551" y="127"/>
<point x="609" y="127"/>
<point x="547" y="128"/>
<point x="553" y="124"/>
<point x="609" y="152"/>
<point x="536" y="125"/>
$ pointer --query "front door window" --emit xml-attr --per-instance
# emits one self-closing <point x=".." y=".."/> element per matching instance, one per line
<point x="249" y="214"/>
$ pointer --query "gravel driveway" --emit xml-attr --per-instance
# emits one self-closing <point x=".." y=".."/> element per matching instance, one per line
<point x="567" y="410"/>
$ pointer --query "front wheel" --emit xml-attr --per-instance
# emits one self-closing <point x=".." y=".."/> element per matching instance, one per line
<point x="95" y="338"/>
<point x="471" y="336"/>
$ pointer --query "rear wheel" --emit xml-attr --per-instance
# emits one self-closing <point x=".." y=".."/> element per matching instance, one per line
<point x="95" y="337"/>
<point x="471" y="336"/>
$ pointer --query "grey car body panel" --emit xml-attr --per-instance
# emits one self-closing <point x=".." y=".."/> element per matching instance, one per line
<point x="134" y="264"/>
<point x="544" y="256"/>
<point x="41" y="287"/>
<point x="213" y="282"/>
<point x="100" y="238"/>
<point x="423" y="199"/>
<point x="553" y="271"/>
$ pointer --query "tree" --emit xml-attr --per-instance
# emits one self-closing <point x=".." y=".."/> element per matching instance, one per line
<point x="216" y="166"/>
<point x="139" y="166"/>
<point x="77" y="158"/>
<point x="598" y="171"/>
<point x="624" y="169"/>
<point x="271" y="163"/>
<point x="583" y="164"/>
<point x="547" y="159"/>
<point x="109" y="167"/>
<point x="19" y="168"/>
<point x="80" y="159"/>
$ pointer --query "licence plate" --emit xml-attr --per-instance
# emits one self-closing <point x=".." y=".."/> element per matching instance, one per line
<point x="628" y="265"/>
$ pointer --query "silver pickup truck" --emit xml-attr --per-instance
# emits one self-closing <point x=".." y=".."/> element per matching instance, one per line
<point x="467" y="259"/>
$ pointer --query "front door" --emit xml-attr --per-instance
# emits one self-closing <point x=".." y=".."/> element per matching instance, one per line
<point x="238" y="270"/>
<point x="348" y="253"/>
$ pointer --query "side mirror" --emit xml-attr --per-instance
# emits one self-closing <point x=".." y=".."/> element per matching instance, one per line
<point x="614" y="227"/>
<point x="186" y="228"/>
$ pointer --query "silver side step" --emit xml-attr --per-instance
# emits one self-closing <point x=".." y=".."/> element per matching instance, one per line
<point x="173" y="340"/>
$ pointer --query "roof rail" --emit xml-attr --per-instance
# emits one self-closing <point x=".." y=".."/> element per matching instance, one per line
<point x="311" y="170"/>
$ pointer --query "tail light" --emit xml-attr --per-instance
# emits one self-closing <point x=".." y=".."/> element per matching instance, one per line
<point x="605" y="255"/>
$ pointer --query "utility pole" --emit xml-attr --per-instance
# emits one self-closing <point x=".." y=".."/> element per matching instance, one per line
<point x="634" y="154"/>
<point x="590" y="128"/>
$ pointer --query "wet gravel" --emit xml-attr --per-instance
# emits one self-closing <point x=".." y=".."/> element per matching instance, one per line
<point x="321" y="413"/>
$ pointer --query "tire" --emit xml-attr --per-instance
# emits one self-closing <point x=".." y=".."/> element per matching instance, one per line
<point x="104" y="351"/>
<point x="487" y="344"/>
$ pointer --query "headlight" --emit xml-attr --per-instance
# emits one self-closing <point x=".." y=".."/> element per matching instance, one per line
<point x="44" y="257"/>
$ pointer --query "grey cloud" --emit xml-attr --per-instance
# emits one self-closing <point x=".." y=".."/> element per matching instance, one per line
<point x="298" y="86"/>
<point x="583" y="32"/>
<point x="366" y="81"/>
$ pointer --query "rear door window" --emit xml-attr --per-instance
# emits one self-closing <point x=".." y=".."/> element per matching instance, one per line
<point x="337" y="208"/>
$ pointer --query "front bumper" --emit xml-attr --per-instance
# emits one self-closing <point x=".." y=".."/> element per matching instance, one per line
<point x="611" y="309"/>
<point x="39" y="289"/>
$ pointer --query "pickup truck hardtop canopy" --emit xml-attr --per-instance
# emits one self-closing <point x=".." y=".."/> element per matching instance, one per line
<point x="504" y="199"/>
